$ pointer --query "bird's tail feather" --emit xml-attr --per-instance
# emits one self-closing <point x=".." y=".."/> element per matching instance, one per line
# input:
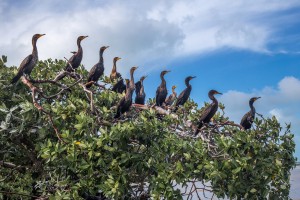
<point x="16" y="78"/>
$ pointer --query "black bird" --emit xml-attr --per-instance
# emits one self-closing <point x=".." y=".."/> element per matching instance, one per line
<point x="185" y="94"/>
<point x="248" y="118"/>
<point x="162" y="92"/>
<point x="209" y="111"/>
<point x="126" y="101"/>
<point x="114" y="74"/>
<point x="75" y="60"/>
<point x="139" y="91"/>
<point x="169" y="101"/>
<point x="98" y="69"/>
<point x="119" y="87"/>
<point x="30" y="61"/>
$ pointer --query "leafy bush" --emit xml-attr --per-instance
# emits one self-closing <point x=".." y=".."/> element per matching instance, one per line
<point x="67" y="151"/>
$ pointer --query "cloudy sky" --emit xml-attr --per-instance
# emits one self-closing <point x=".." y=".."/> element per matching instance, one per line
<point x="241" y="48"/>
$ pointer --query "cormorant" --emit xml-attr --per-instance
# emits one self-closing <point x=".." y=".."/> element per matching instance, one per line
<point x="185" y="94"/>
<point x="98" y="69"/>
<point x="139" y="91"/>
<point x="119" y="87"/>
<point x="114" y="74"/>
<point x="162" y="92"/>
<point x="209" y="111"/>
<point x="248" y="118"/>
<point x="169" y="101"/>
<point x="30" y="61"/>
<point x="126" y="101"/>
<point x="75" y="60"/>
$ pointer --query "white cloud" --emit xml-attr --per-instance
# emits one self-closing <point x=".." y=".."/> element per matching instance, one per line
<point x="282" y="102"/>
<point x="139" y="32"/>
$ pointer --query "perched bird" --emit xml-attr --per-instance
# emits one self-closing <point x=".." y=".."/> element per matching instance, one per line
<point x="126" y="101"/>
<point x="114" y="74"/>
<point x="119" y="87"/>
<point x="162" y="92"/>
<point x="209" y="111"/>
<point x="169" y="101"/>
<point x="30" y="61"/>
<point x="248" y="118"/>
<point x="185" y="94"/>
<point x="139" y="91"/>
<point x="98" y="69"/>
<point x="75" y="60"/>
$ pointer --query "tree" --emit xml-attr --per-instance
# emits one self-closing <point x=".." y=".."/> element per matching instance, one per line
<point x="60" y="141"/>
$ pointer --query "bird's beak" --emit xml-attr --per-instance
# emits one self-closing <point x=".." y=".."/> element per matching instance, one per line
<point x="134" y="68"/>
<point x="257" y="98"/>
<point x="119" y="58"/>
<point x="219" y="93"/>
<point x="86" y="36"/>
<point x="106" y="47"/>
<point x="168" y="71"/>
<point x="41" y="35"/>
<point x="193" y="77"/>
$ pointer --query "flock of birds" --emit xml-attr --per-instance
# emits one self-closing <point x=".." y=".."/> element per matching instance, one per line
<point x="129" y="86"/>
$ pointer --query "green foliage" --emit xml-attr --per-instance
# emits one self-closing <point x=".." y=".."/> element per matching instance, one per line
<point x="142" y="151"/>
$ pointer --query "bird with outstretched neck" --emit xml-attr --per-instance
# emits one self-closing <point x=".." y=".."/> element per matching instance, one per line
<point x="248" y="118"/>
<point x="98" y="69"/>
<point x="185" y="94"/>
<point x="162" y="92"/>
<point x="114" y="74"/>
<point x="139" y="91"/>
<point x="30" y="61"/>
<point x="126" y="101"/>
<point x="169" y="101"/>
<point x="75" y="60"/>
<point x="209" y="111"/>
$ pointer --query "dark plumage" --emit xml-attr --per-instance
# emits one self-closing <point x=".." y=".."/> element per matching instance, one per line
<point x="185" y="94"/>
<point x="126" y="101"/>
<point x="248" y="118"/>
<point x="162" y="92"/>
<point x="169" y="101"/>
<point x="30" y="61"/>
<point x="209" y="111"/>
<point x="119" y="87"/>
<point x="98" y="69"/>
<point x="114" y="74"/>
<point x="75" y="60"/>
<point x="139" y="91"/>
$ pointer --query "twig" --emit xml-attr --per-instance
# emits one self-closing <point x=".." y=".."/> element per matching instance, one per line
<point x="20" y="194"/>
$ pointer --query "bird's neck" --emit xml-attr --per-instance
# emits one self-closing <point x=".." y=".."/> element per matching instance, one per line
<point x="142" y="88"/>
<point x="187" y="83"/>
<point x="212" y="97"/>
<point x="114" y="69"/>
<point x="131" y="80"/>
<point x="34" y="49"/>
<point x="173" y="90"/>
<point x="252" y="108"/>
<point x="101" y="56"/>
<point x="163" y="81"/>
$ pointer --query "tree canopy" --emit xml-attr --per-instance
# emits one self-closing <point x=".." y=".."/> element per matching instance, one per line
<point x="61" y="141"/>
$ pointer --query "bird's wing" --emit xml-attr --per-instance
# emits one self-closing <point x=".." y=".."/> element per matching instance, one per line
<point x="92" y="72"/>
<point x="245" y="117"/>
<point x="24" y="63"/>
<point x="180" y="98"/>
<point x="117" y="85"/>
<point x="205" y="112"/>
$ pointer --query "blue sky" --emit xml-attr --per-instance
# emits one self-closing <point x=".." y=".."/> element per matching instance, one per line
<point x="241" y="48"/>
